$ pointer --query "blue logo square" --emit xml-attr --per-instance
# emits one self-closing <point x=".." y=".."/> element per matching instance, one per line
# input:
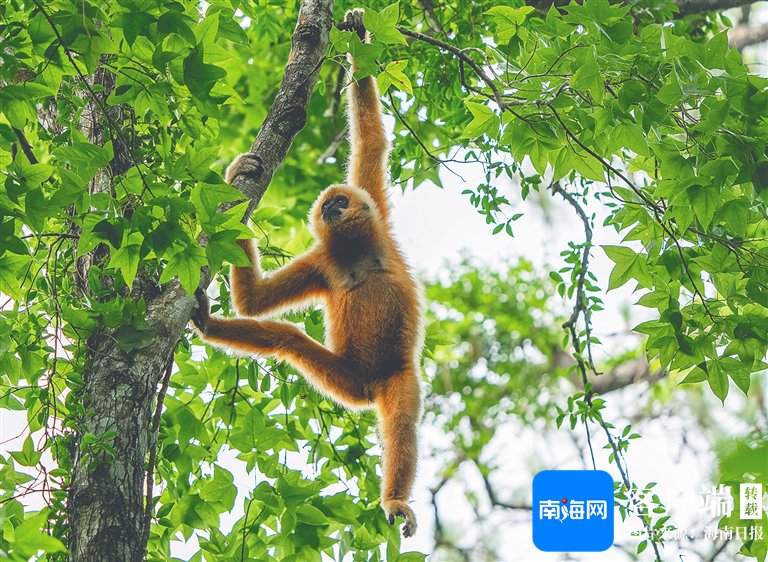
<point x="573" y="510"/>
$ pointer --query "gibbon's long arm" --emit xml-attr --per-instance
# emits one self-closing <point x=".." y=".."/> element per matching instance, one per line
<point x="369" y="147"/>
<point x="253" y="294"/>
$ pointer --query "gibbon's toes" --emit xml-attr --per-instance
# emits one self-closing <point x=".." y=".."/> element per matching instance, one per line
<point x="202" y="310"/>
<point x="247" y="164"/>
<point x="398" y="508"/>
<point x="353" y="21"/>
<point x="409" y="529"/>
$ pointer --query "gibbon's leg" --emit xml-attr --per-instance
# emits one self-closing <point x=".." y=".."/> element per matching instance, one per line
<point x="324" y="370"/>
<point x="253" y="294"/>
<point x="368" y="142"/>
<point x="399" y="408"/>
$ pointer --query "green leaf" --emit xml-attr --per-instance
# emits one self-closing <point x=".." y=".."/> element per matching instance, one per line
<point x="340" y="40"/>
<point x="28" y="456"/>
<point x="126" y="258"/>
<point x="393" y="74"/>
<point x="200" y="77"/>
<point x="311" y="515"/>
<point x="10" y="271"/>
<point x="134" y="24"/>
<point x="589" y="76"/>
<point x="381" y="25"/>
<point x="85" y="157"/>
<point x="30" y="537"/>
<point x="704" y="201"/>
<point x="484" y="121"/>
<point x="36" y="209"/>
<point x="221" y="488"/>
<point x="629" y="265"/>
<point x="206" y="30"/>
<point x="185" y="264"/>
<point x="718" y="380"/>
<point x="30" y="175"/>
<point x="223" y="248"/>
<point x="508" y="20"/>
<point x="176" y="22"/>
<point x="209" y="197"/>
<point x="411" y="557"/>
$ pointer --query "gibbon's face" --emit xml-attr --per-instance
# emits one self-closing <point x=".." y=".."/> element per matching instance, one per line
<point x="343" y="209"/>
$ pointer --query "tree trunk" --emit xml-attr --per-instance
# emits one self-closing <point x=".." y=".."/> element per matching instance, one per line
<point x="106" y="499"/>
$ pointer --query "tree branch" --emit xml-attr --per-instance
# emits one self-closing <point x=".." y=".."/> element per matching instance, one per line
<point x="627" y="373"/>
<point x="745" y="35"/>
<point x="156" y="417"/>
<point x="106" y="502"/>
<point x="26" y="148"/>
<point x="288" y="114"/>
<point x="689" y="7"/>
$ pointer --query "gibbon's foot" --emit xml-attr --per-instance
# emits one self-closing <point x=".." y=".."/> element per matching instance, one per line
<point x="398" y="508"/>
<point x="247" y="164"/>
<point x="202" y="312"/>
<point x="353" y="21"/>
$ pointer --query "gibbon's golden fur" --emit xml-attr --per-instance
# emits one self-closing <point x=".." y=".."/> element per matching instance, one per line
<point x="373" y="305"/>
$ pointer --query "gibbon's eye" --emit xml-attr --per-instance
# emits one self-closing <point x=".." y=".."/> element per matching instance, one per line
<point x="341" y="201"/>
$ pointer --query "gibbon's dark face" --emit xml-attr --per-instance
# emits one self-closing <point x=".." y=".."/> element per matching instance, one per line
<point x="333" y="207"/>
<point x="344" y="210"/>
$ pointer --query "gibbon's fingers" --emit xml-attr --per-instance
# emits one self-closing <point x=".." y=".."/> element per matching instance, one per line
<point x="324" y="370"/>
<point x="353" y="21"/>
<point x="399" y="405"/>
<point x="253" y="294"/>
<point x="202" y="312"/>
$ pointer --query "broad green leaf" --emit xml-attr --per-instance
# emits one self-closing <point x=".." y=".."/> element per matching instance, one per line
<point x="589" y="77"/>
<point x="393" y="74"/>
<point x="628" y="265"/>
<point x="185" y="264"/>
<point x="28" y="456"/>
<point x="126" y="258"/>
<point x="718" y="380"/>
<point x="508" y="20"/>
<point x="484" y="121"/>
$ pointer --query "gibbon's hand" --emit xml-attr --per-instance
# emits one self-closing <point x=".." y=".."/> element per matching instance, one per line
<point x="247" y="164"/>
<point x="202" y="312"/>
<point x="353" y="21"/>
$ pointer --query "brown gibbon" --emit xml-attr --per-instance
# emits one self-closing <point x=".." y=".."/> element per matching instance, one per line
<point x="373" y="304"/>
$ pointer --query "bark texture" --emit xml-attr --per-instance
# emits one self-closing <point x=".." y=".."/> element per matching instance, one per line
<point x="106" y="499"/>
<point x="288" y="114"/>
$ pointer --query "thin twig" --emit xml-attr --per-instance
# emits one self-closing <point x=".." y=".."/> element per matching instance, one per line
<point x="463" y="56"/>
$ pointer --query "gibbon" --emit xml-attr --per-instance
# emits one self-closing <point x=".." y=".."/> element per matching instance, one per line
<point x="373" y="304"/>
